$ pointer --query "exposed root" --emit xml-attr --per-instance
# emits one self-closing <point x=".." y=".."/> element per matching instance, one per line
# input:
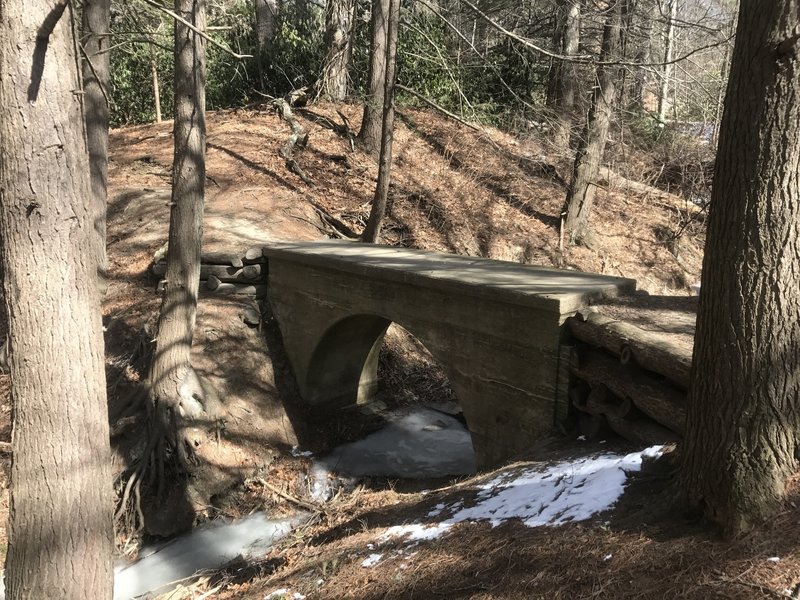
<point x="170" y="447"/>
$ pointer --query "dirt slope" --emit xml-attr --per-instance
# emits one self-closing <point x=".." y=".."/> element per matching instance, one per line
<point x="454" y="189"/>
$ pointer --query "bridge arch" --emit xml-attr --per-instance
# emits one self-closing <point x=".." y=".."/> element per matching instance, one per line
<point x="343" y="369"/>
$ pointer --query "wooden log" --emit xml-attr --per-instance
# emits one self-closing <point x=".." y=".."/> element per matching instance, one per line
<point x="656" y="398"/>
<point x="663" y="198"/>
<point x="255" y="253"/>
<point x="221" y="258"/>
<point x="225" y="273"/>
<point x="237" y="289"/>
<point x="212" y="283"/>
<point x="649" y="350"/>
<point x="641" y="431"/>
<point x="592" y="427"/>
<point x="601" y="402"/>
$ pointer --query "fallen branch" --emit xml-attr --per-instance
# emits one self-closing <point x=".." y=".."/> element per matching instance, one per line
<point x="613" y="179"/>
<point x="316" y="508"/>
<point x="297" y="139"/>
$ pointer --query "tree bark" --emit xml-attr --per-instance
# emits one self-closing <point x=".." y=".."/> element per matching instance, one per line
<point x="96" y="78"/>
<point x="669" y="43"/>
<point x="176" y="395"/>
<point x="742" y="427"/>
<point x="60" y="524"/>
<point x="641" y="74"/>
<point x="590" y="152"/>
<point x="266" y="13"/>
<point x="369" y="136"/>
<point x="339" y="21"/>
<point x="562" y="84"/>
<point x="156" y="88"/>
<point x="372" y="232"/>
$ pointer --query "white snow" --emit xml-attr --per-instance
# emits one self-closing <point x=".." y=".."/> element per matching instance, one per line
<point x="372" y="560"/>
<point x="279" y="593"/>
<point x="774" y="559"/>
<point x="563" y="492"/>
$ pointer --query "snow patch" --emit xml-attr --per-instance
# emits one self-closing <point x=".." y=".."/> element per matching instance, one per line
<point x="372" y="560"/>
<point x="563" y="492"/>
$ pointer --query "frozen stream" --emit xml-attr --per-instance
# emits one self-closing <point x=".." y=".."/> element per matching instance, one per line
<point x="160" y="568"/>
<point x="420" y="444"/>
<point x="423" y="443"/>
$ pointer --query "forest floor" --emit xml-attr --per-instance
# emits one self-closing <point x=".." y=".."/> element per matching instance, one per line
<point x="480" y="193"/>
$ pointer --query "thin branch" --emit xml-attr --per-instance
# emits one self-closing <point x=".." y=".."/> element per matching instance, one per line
<point x="442" y="110"/>
<point x="586" y="59"/>
<point x="490" y="64"/>
<point x="202" y="34"/>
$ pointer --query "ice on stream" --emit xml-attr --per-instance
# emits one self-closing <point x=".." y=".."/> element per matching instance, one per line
<point x="210" y="547"/>
<point x="421" y="444"/>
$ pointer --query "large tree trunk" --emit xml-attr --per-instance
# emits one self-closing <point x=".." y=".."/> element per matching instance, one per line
<point x="372" y="232"/>
<point x="60" y="525"/>
<point x="562" y="85"/>
<point x="369" y="137"/>
<point x="580" y="196"/>
<point x="339" y="20"/>
<point x="96" y="77"/>
<point x="177" y="398"/>
<point x="742" y="426"/>
<point x="266" y="21"/>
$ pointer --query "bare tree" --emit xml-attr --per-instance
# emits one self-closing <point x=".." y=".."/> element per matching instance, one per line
<point x="666" y="73"/>
<point x="562" y="85"/>
<point x="744" y="403"/>
<point x="372" y="232"/>
<point x="581" y="192"/>
<point x="369" y="136"/>
<point x="60" y="526"/>
<point x="339" y="22"/>
<point x="96" y="77"/>
<point x="178" y="398"/>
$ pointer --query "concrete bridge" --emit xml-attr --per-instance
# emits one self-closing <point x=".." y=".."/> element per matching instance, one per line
<point x="494" y="327"/>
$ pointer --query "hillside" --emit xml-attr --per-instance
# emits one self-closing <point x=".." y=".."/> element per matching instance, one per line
<point x="481" y="193"/>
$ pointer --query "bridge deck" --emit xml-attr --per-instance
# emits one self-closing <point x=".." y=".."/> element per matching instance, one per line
<point x="557" y="290"/>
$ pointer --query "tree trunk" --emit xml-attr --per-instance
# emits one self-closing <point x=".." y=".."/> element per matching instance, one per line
<point x="669" y="43"/>
<point x="156" y="88"/>
<point x="176" y="395"/>
<point x="742" y="426"/>
<point x="372" y="232"/>
<point x="369" y="137"/>
<point x="580" y="196"/>
<point x="562" y="85"/>
<point x="266" y="12"/>
<point x="60" y="525"/>
<point x="641" y="74"/>
<point x="339" y="21"/>
<point x="96" y="78"/>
